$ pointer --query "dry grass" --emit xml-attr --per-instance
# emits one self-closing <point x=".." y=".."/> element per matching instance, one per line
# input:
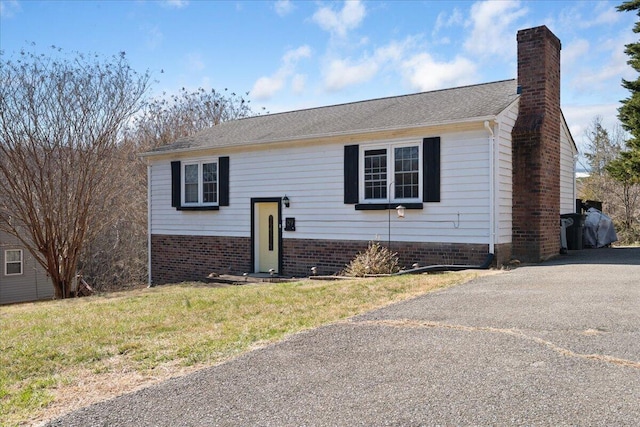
<point x="62" y="355"/>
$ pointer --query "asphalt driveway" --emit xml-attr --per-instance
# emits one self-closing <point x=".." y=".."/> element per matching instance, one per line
<point x="551" y="344"/>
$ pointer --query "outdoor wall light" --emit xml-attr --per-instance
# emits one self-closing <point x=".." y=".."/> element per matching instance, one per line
<point x="400" y="209"/>
<point x="286" y="201"/>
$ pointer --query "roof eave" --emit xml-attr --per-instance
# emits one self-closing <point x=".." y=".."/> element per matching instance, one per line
<point x="307" y="138"/>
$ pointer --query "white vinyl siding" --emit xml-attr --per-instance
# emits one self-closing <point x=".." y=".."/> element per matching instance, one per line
<point x="312" y="178"/>
<point x="504" y="173"/>
<point x="567" y="171"/>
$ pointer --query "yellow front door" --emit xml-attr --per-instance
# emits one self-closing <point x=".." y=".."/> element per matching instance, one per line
<point x="268" y="232"/>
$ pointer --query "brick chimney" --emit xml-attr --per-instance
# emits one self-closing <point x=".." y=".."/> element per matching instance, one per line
<point x="536" y="147"/>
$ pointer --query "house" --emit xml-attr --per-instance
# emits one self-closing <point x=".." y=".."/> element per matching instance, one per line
<point x="22" y="278"/>
<point x="480" y="169"/>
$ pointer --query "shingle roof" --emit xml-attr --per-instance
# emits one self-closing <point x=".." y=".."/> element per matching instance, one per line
<point x="420" y="109"/>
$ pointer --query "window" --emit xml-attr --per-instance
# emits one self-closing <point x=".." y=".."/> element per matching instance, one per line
<point x="375" y="174"/>
<point x="200" y="183"/>
<point x="395" y="168"/>
<point x="413" y="167"/>
<point x="407" y="171"/>
<point x="12" y="262"/>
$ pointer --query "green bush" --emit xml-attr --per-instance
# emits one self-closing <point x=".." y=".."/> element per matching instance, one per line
<point x="376" y="259"/>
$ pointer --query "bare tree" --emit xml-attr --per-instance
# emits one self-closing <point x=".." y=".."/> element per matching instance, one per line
<point x="168" y="118"/>
<point x="614" y="186"/>
<point x="603" y="145"/>
<point x="61" y="117"/>
<point x="117" y="257"/>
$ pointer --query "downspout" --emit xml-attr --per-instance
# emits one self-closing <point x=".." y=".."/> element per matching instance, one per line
<point x="575" y="186"/>
<point x="492" y="209"/>
<point x="149" y="224"/>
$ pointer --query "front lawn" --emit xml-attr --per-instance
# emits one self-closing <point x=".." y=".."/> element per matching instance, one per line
<point x="58" y="356"/>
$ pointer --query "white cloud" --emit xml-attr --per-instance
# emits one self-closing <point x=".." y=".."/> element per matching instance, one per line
<point x="424" y="73"/>
<point x="341" y="73"/>
<point x="598" y="68"/>
<point x="267" y="86"/>
<point x="153" y="37"/>
<point x="8" y="8"/>
<point x="291" y="57"/>
<point x="493" y="27"/>
<point x="298" y="83"/>
<point x="446" y="20"/>
<point x="175" y="4"/>
<point x="596" y="14"/>
<point x="606" y="14"/>
<point x="392" y="52"/>
<point x="340" y="22"/>
<point x="574" y="52"/>
<point x="580" y="117"/>
<point x="283" y="7"/>
<point x="195" y="62"/>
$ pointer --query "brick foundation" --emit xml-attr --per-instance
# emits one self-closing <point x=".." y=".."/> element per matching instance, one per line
<point x="331" y="256"/>
<point x="185" y="258"/>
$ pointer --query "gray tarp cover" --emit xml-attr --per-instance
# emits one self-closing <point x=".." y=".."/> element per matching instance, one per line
<point x="598" y="229"/>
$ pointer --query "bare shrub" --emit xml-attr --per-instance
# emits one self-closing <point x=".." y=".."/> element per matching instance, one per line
<point x="376" y="259"/>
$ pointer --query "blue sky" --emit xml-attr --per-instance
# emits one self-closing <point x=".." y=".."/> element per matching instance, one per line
<point x="298" y="54"/>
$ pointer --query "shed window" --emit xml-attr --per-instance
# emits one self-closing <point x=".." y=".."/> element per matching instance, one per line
<point x="13" y="262"/>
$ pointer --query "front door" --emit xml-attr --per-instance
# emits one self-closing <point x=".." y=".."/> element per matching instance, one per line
<point x="266" y="236"/>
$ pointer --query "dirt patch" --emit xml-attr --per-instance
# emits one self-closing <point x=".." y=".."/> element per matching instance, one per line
<point x="90" y="388"/>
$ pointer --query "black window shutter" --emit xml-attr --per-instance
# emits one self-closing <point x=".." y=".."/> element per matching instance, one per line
<point x="223" y="165"/>
<point x="176" y="183"/>
<point x="431" y="169"/>
<point x="351" y="155"/>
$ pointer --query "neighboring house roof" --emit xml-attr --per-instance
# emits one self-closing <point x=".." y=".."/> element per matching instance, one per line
<point x="398" y="112"/>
